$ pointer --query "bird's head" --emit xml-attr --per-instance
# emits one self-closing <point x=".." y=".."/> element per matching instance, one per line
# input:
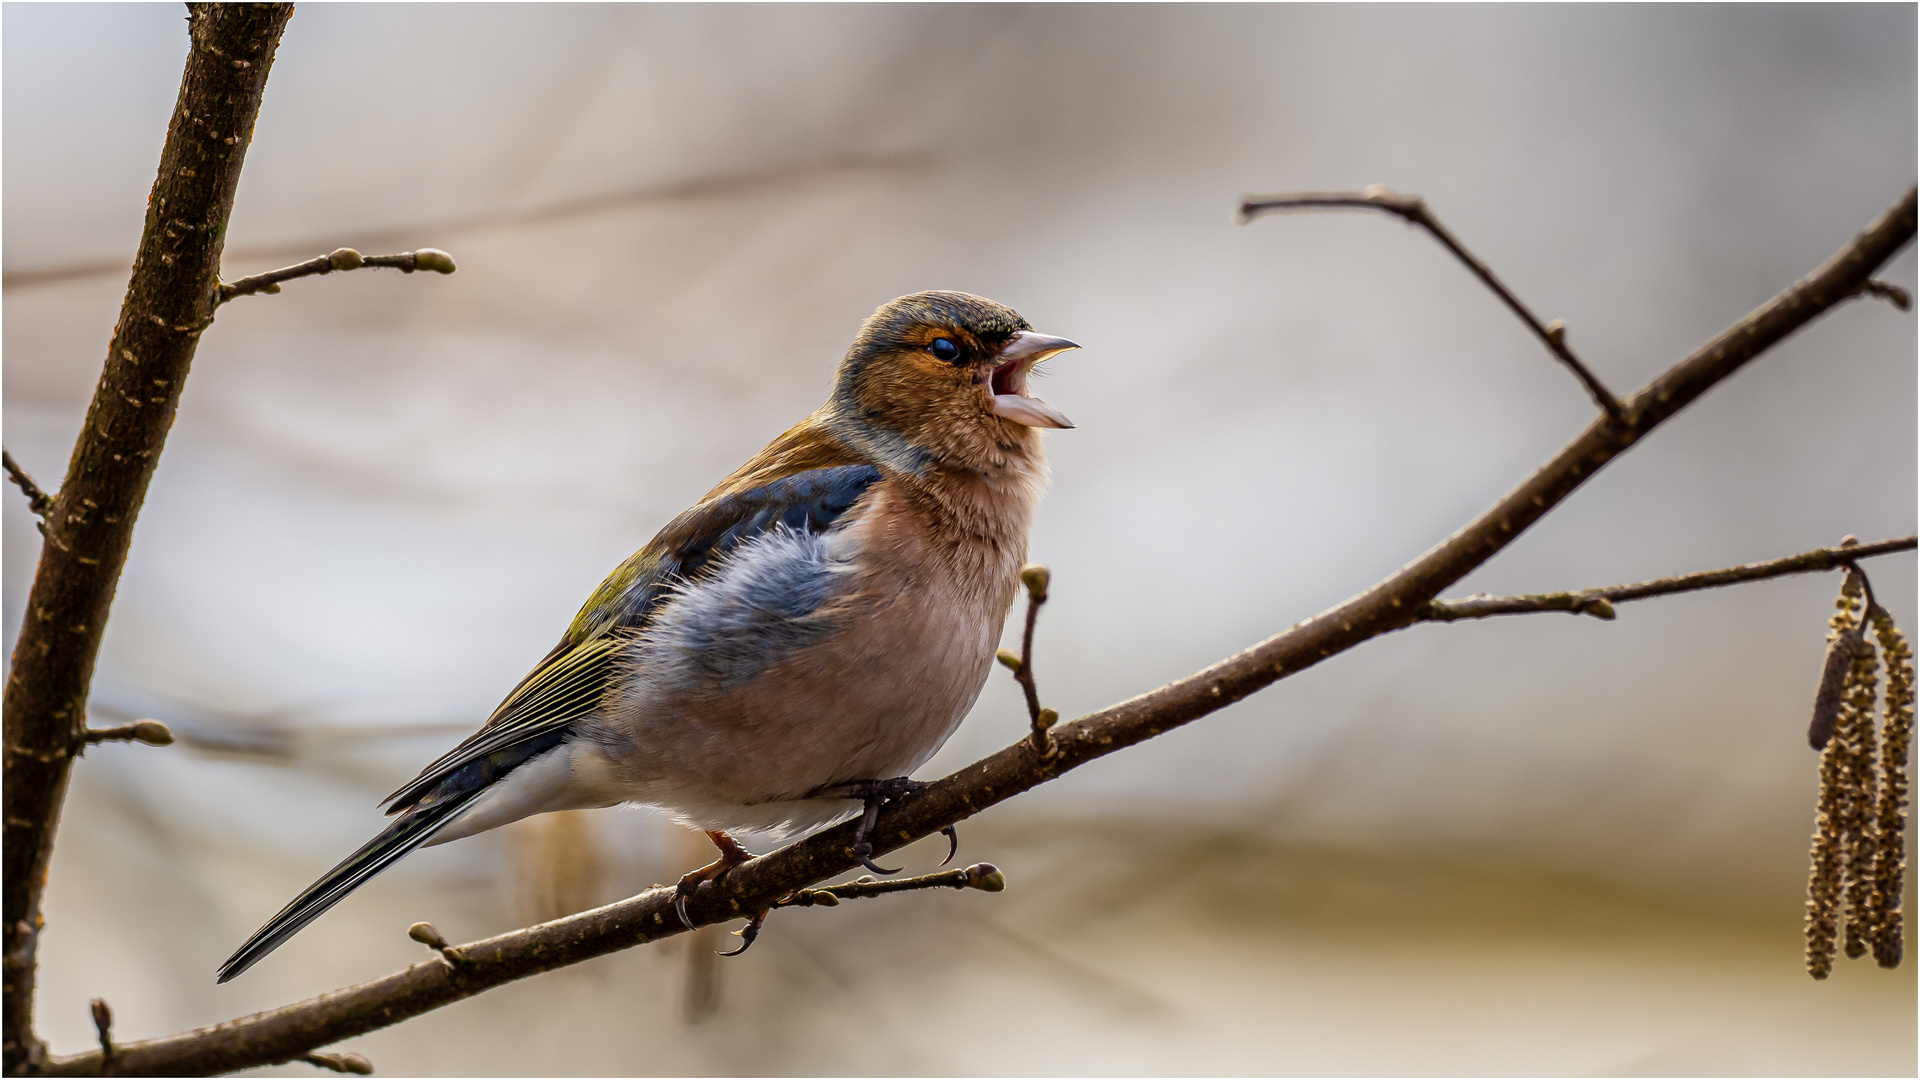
<point x="943" y="376"/>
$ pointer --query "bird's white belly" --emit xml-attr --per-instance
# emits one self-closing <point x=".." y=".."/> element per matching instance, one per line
<point x="866" y="686"/>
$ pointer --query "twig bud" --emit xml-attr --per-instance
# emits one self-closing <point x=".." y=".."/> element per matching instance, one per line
<point x="1599" y="607"/>
<point x="272" y="289"/>
<point x="433" y="259"/>
<point x="1036" y="578"/>
<point x="425" y="934"/>
<point x="1557" y="333"/>
<point x="1046" y="719"/>
<point x="345" y="259"/>
<point x="103" y="1023"/>
<point x="986" y="877"/>
<point x="1010" y="659"/>
<point x="153" y="733"/>
<point x="822" y="898"/>
<point x="340" y="1063"/>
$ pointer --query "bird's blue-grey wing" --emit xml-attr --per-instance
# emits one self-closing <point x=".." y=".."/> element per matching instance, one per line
<point x="569" y="684"/>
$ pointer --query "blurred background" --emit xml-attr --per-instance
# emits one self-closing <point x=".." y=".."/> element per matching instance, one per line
<point x="1531" y="845"/>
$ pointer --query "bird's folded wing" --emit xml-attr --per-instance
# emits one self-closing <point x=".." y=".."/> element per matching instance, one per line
<point x="568" y="684"/>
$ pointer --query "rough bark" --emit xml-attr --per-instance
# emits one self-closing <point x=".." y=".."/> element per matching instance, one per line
<point x="170" y="300"/>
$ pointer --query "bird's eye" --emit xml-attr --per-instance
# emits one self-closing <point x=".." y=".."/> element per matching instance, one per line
<point x="944" y="350"/>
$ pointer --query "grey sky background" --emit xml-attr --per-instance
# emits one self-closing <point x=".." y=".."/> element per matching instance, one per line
<point x="385" y="496"/>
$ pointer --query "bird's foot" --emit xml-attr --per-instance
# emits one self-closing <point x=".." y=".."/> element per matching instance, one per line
<point x="749" y="932"/>
<point x="878" y="793"/>
<point x="731" y="855"/>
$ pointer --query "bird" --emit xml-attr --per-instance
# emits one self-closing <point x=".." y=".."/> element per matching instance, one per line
<point x="785" y="652"/>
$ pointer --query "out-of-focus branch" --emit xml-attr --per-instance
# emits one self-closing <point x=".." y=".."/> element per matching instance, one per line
<point x="38" y="501"/>
<point x="1414" y="209"/>
<point x="1599" y="602"/>
<point x="781" y="178"/>
<point x="89" y="526"/>
<point x="759" y="884"/>
<point x="338" y="259"/>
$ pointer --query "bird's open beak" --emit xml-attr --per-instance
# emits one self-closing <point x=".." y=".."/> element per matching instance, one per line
<point x="1009" y="380"/>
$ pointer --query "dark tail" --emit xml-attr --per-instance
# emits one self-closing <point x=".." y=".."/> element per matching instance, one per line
<point x="411" y="830"/>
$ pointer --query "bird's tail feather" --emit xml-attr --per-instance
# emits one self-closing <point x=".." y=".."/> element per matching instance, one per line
<point x="409" y="831"/>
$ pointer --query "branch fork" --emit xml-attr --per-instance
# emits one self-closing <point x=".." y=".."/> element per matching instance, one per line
<point x="1413" y="209"/>
<point x="1036" y="579"/>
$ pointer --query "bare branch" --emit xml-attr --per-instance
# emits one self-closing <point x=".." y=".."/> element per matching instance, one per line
<point x="170" y="299"/>
<point x="1414" y="209"/>
<point x="338" y="259"/>
<point x="1599" y="602"/>
<point x="38" y="501"/>
<point x="1036" y="578"/>
<point x="1892" y="294"/>
<point x="151" y="732"/>
<point x="759" y="884"/>
<point x="983" y="876"/>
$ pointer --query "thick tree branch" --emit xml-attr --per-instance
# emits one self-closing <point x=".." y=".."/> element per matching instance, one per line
<point x="339" y="259"/>
<point x="169" y="301"/>
<point x="761" y="883"/>
<point x="1599" y="602"/>
<point x="1414" y="209"/>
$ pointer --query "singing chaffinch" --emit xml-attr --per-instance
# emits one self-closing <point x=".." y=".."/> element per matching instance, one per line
<point x="783" y="653"/>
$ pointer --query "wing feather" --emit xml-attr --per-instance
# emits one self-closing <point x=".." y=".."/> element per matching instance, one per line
<point x="568" y="684"/>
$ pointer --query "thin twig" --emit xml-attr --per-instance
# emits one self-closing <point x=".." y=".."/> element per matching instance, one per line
<point x="1599" y="602"/>
<point x="339" y="259"/>
<point x="1414" y="210"/>
<point x="983" y="876"/>
<point x="1036" y="578"/>
<point x="38" y="501"/>
<point x="758" y="884"/>
<point x="151" y="732"/>
<point x="1892" y="294"/>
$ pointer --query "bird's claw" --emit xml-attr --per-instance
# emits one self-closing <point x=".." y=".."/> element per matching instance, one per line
<point x="680" y="894"/>
<point x="878" y="793"/>
<point x="748" y="933"/>
<point x="731" y="855"/>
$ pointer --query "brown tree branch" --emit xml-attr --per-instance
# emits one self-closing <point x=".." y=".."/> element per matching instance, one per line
<point x="170" y="300"/>
<point x="1599" y="602"/>
<point x="1035" y="577"/>
<point x="339" y="259"/>
<point x="1414" y="209"/>
<point x="759" y="884"/>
